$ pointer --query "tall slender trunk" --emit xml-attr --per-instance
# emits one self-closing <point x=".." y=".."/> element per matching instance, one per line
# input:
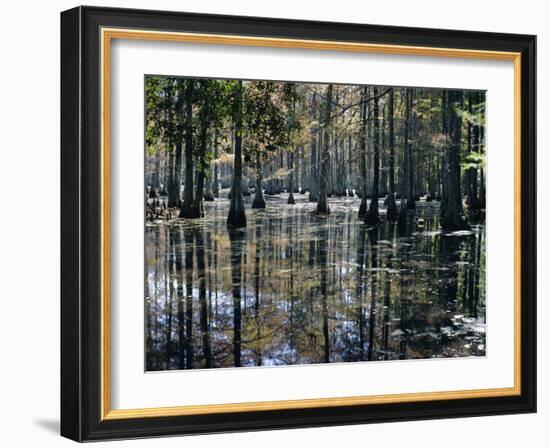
<point x="175" y="145"/>
<point x="453" y="215"/>
<point x="322" y="204"/>
<point x="404" y="181"/>
<point x="302" y="170"/>
<point x="169" y="174"/>
<point x="259" y="201"/>
<point x="481" y="171"/>
<point x="198" y="209"/>
<point x="208" y="171"/>
<point x="372" y="216"/>
<point x="155" y="178"/>
<point x="391" y="213"/>
<point x="215" y="181"/>
<point x="411" y="205"/>
<point x="363" y="153"/>
<point x="188" y="196"/>
<point x="475" y="146"/>
<point x="237" y="216"/>
<point x="291" y="177"/>
<point x="174" y="199"/>
<point x="313" y="171"/>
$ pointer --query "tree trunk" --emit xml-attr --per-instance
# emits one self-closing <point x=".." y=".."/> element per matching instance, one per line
<point x="410" y="178"/>
<point x="215" y="181"/>
<point x="291" y="178"/>
<point x="174" y="199"/>
<point x="372" y="216"/>
<point x="322" y="204"/>
<point x="198" y="209"/>
<point x="363" y="153"/>
<point x="391" y="213"/>
<point x="475" y="146"/>
<point x="402" y="218"/>
<point x="313" y="171"/>
<point x="237" y="216"/>
<point x="174" y="159"/>
<point x="188" y="196"/>
<point x="209" y="192"/>
<point x="259" y="201"/>
<point x="453" y="216"/>
<point x="481" y="171"/>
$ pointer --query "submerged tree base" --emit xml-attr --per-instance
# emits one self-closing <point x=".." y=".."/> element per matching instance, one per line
<point x="189" y="212"/>
<point x="372" y="218"/>
<point x="391" y="207"/>
<point x="259" y="200"/>
<point x="236" y="219"/>
<point x="362" y="208"/>
<point x="291" y="199"/>
<point x="454" y="224"/>
<point x="258" y="203"/>
<point x="322" y="208"/>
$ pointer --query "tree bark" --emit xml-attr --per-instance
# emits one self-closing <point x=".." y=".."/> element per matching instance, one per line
<point x="259" y="201"/>
<point x="372" y="217"/>
<point x="363" y="153"/>
<point x="198" y="209"/>
<point x="237" y="216"/>
<point x="313" y="171"/>
<point x="453" y="215"/>
<point x="473" y="199"/>
<point x="291" y="178"/>
<point x="215" y="181"/>
<point x="188" y="196"/>
<point x="391" y="213"/>
<point x="402" y="217"/>
<point x="410" y="177"/>
<point x="322" y="204"/>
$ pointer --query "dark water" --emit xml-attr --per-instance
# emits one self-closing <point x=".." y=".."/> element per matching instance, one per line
<point x="294" y="288"/>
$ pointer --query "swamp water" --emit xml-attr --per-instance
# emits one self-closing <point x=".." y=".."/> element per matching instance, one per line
<point x="294" y="288"/>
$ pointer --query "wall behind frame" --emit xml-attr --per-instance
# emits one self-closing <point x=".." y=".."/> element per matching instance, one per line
<point x="29" y="228"/>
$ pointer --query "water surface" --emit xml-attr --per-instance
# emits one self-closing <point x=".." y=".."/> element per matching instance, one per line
<point x="294" y="288"/>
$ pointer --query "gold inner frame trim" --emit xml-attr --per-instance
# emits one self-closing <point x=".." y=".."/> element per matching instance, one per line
<point x="107" y="35"/>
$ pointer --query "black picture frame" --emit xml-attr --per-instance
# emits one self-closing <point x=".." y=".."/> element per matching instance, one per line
<point x="81" y="224"/>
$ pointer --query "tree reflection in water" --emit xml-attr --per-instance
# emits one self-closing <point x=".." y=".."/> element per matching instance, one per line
<point x="295" y="288"/>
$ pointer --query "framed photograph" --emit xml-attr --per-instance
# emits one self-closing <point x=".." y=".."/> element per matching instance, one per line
<point x="275" y="224"/>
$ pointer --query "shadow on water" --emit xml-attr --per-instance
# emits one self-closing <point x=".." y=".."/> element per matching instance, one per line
<point x="295" y="288"/>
